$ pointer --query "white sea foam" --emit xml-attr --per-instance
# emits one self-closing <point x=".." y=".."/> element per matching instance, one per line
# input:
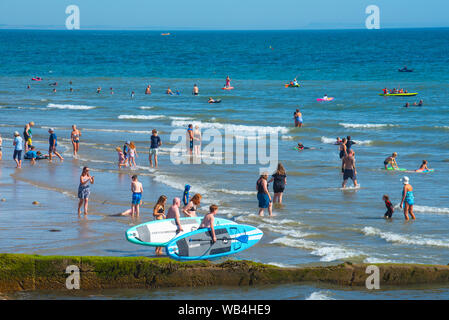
<point x="118" y="130"/>
<point x="320" y="295"/>
<point x="178" y="184"/>
<point x="426" y="209"/>
<point x="334" y="140"/>
<point x="236" y="192"/>
<point x="367" y="125"/>
<point x="327" y="252"/>
<point x="405" y="239"/>
<point x="230" y="127"/>
<point x="376" y="260"/>
<point x="145" y="107"/>
<point x="287" y="138"/>
<point x="140" y="117"/>
<point x="69" y="106"/>
<point x="281" y="265"/>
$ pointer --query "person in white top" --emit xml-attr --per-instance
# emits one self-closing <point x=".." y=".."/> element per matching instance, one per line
<point x="197" y="140"/>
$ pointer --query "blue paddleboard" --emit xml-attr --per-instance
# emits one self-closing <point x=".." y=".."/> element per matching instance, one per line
<point x="198" y="245"/>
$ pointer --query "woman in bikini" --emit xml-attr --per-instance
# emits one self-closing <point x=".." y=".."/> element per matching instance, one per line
<point x="190" y="209"/>
<point x="75" y="137"/>
<point x="159" y="214"/>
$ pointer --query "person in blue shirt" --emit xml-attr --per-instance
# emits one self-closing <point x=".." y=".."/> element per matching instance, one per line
<point x="185" y="196"/>
<point x="155" y="144"/>
<point x="18" y="147"/>
<point x="31" y="155"/>
<point x="53" y="143"/>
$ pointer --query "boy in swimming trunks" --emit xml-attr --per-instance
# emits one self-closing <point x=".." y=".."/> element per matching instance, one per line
<point x="391" y="161"/>
<point x="137" y="189"/>
<point x="208" y="221"/>
<point x="389" y="205"/>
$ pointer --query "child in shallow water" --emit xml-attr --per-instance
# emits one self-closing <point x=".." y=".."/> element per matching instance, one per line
<point x="121" y="157"/>
<point x="389" y="205"/>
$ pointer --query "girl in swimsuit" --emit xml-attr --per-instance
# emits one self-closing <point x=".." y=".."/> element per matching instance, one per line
<point x="75" y="137"/>
<point x="159" y="214"/>
<point x="132" y="154"/>
<point x="121" y="157"/>
<point x="191" y="208"/>
<point x="408" y="199"/>
<point x="423" y="166"/>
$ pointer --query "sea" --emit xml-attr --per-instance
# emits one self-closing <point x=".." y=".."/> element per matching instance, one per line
<point x="318" y="223"/>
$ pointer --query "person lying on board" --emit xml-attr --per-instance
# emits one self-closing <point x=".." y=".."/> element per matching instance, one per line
<point x="423" y="166"/>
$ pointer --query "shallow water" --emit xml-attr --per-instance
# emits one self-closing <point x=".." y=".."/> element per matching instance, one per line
<point x="318" y="223"/>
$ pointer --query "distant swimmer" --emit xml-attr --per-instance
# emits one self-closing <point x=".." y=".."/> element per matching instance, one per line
<point x="338" y="141"/>
<point x="408" y="199"/>
<point x="391" y="160"/>
<point x="98" y="89"/>
<point x="195" y="91"/>
<point x="148" y="89"/>
<point x="406" y="105"/>
<point x="348" y="168"/>
<point x="71" y="89"/>
<point x="420" y="104"/>
<point x="423" y="167"/>
<point x="178" y="93"/>
<point x="53" y="84"/>
<point x="132" y="94"/>
<point x="169" y="92"/>
<point x="211" y="100"/>
<point x="112" y="90"/>
<point x="54" y="89"/>
<point x="389" y="205"/>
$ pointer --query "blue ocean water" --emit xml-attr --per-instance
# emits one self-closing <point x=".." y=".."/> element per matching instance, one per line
<point x="319" y="223"/>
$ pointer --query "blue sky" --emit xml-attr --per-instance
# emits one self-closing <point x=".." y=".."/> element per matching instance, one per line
<point x="223" y="15"/>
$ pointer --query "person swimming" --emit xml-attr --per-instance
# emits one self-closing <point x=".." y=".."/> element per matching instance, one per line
<point x="169" y="92"/>
<point x="423" y="166"/>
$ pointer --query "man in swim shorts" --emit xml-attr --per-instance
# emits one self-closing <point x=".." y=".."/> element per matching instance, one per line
<point x="137" y="189"/>
<point x="53" y="143"/>
<point x="348" y="168"/>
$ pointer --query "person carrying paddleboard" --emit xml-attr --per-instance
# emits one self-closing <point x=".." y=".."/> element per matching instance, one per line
<point x="208" y="221"/>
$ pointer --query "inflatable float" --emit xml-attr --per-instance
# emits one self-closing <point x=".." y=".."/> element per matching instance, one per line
<point x="228" y="88"/>
<point x="288" y="85"/>
<point x="325" y="99"/>
<point x="36" y="79"/>
<point x="399" y="94"/>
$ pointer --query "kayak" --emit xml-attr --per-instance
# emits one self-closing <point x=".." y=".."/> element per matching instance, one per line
<point x="288" y="85"/>
<point x="328" y="99"/>
<point x="228" y="88"/>
<point x="399" y="94"/>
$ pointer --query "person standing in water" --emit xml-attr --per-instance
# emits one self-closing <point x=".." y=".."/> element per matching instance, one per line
<point x="155" y="144"/>
<point x="18" y="148"/>
<point x="159" y="214"/>
<point x="391" y="160"/>
<point x="148" y="90"/>
<point x="53" y="143"/>
<point x="75" y="137"/>
<point x="27" y="135"/>
<point x="84" y="190"/>
<point x="1" y="143"/>
<point x="263" y="195"/>
<point x="280" y="180"/>
<point x="348" y="168"/>
<point x="190" y="138"/>
<point x="137" y="190"/>
<point x="190" y="209"/>
<point x="197" y="140"/>
<point x="408" y="199"/>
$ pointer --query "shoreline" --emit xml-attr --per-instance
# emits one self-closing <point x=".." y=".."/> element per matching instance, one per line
<point x="22" y="272"/>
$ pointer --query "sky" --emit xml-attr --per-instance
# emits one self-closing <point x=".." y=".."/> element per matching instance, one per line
<point x="223" y="14"/>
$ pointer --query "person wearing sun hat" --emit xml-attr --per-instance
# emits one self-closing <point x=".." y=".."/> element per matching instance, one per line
<point x="18" y="147"/>
<point x="408" y="199"/>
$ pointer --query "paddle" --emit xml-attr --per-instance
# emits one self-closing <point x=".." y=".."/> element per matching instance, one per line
<point x="243" y="239"/>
